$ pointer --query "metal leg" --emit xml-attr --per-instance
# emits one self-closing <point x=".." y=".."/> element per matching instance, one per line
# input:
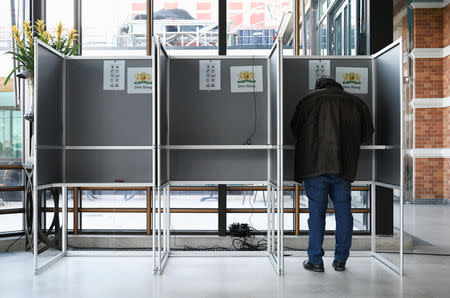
<point x="155" y="268"/>
<point x="35" y="229"/>
<point x="281" y="231"/>
<point x="64" y="219"/>
<point x="272" y="212"/>
<point x="268" y="219"/>
<point x="159" y="231"/>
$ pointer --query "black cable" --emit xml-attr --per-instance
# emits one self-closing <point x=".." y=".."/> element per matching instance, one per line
<point x="249" y="139"/>
<point x="13" y="243"/>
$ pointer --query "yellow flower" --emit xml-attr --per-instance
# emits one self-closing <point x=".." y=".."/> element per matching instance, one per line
<point x="72" y="36"/>
<point x="40" y="27"/>
<point x="28" y="31"/>
<point x="46" y="36"/>
<point x="59" y="30"/>
<point x="16" y="36"/>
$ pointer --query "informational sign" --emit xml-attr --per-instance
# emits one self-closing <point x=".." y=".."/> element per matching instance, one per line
<point x="139" y="80"/>
<point x="317" y="70"/>
<point x="246" y="78"/>
<point x="114" y="75"/>
<point x="353" y="79"/>
<point x="209" y="74"/>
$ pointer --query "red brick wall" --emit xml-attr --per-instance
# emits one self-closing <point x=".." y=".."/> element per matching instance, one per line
<point x="429" y="178"/>
<point x="428" y="28"/>
<point x="446" y="127"/>
<point x="429" y="128"/>
<point x="447" y="178"/>
<point x="446" y="26"/>
<point x="428" y="77"/>
<point x="446" y="79"/>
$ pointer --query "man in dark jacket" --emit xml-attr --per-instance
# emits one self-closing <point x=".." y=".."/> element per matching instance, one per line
<point x="330" y="125"/>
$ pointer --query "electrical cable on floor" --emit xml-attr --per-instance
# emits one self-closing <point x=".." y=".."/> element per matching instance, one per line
<point x="14" y="243"/>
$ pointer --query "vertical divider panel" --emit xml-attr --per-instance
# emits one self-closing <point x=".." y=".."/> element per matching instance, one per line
<point x="389" y="169"/>
<point x="48" y="115"/>
<point x="163" y="120"/>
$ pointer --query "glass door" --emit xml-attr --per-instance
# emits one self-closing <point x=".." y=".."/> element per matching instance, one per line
<point x="339" y="29"/>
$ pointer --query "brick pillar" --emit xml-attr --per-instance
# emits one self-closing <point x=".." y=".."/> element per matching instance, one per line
<point x="431" y="35"/>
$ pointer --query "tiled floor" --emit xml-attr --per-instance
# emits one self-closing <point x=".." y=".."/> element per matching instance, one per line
<point x="426" y="276"/>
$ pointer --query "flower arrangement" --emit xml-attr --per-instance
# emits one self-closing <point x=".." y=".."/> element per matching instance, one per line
<point x="63" y="40"/>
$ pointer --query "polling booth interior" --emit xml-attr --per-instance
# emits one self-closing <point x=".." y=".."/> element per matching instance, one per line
<point x="213" y="133"/>
<point x="377" y="81"/>
<point x="89" y="130"/>
<point x="215" y="120"/>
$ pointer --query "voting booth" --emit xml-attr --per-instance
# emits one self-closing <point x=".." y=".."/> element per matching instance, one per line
<point x="90" y="128"/>
<point x="377" y="80"/>
<point x="205" y="120"/>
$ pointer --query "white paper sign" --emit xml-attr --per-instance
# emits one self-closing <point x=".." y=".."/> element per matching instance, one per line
<point x="140" y="80"/>
<point x="353" y="79"/>
<point x="317" y="70"/>
<point x="114" y="75"/>
<point x="209" y="74"/>
<point x="246" y="78"/>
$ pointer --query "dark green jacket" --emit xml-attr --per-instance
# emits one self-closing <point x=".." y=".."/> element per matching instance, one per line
<point x="330" y="125"/>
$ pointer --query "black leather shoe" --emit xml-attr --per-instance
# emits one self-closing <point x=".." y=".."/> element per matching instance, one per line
<point x="313" y="267"/>
<point x="338" y="266"/>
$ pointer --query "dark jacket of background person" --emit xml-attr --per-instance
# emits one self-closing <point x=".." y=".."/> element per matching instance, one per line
<point x="330" y="125"/>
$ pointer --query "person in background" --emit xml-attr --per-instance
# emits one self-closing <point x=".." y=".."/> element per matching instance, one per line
<point x="330" y="125"/>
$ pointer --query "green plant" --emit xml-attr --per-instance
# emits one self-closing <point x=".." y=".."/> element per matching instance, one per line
<point x="62" y="40"/>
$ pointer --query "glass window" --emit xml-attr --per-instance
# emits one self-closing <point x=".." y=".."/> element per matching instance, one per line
<point x="48" y="201"/>
<point x="252" y="25"/>
<point x="11" y="200"/>
<point x="113" y="221"/>
<point x="49" y="220"/>
<point x="322" y="8"/>
<point x="193" y="199"/>
<point x="10" y="114"/>
<point x="114" y="27"/>
<point x="360" y="222"/>
<point x="360" y="199"/>
<point x="186" y="25"/>
<point x="352" y="28"/>
<point x="323" y="37"/>
<point x="59" y="11"/>
<point x="113" y="199"/>
<point x="11" y="222"/>
<point x="194" y="221"/>
<point x="258" y="221"/>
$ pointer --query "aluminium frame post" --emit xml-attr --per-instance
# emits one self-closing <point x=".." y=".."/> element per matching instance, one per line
<point x="268" y="218"/>
<point x="35" y="173"/>
<point x="64" y="219"/>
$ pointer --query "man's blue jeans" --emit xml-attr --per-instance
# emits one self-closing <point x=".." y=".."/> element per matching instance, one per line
<point x="317" y="189"/>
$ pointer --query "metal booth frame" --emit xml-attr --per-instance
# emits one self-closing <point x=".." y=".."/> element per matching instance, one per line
<point x="160" y="202"/>
<point x="38" y="268"/>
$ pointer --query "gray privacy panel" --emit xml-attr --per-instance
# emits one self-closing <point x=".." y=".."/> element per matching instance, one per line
<point x="388" y="97"/>
<point x="274" y="88"/>
<point x="97" y="117"/>
<point x="163" y="79"/>
<point x="218" y="165"/>
<point x="388" y="115"/>
<point x="273" y="125"/>
<point x="49" y="166"/>
<point x="163" y="125"/>
<point x="387" y="166"/>
<point x="214" y="117"/>
<point x="272" y="156"/>
<point x="296" y="85"/>
<point x="49" y="83"/>
<point x="364" y="172"/>
<point x="106" y="166"/>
